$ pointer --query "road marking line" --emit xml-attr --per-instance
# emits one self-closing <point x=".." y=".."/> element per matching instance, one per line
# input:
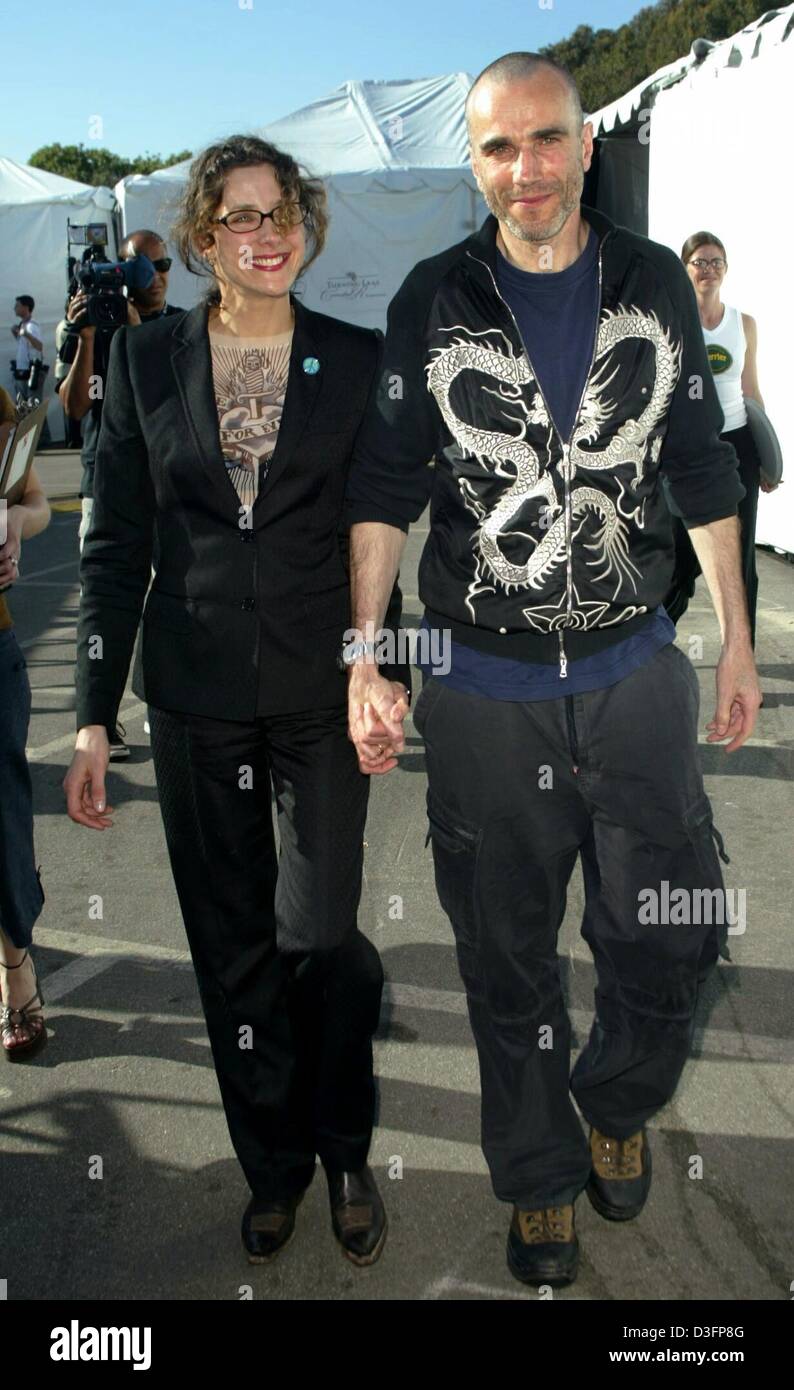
<point x="440" y="1288"/>
<point x="98" y="944"/>
<point x="51" y="569"/>
<point x="98" y="955"/>
<point x="78" y="972"/>
<point x="427" y="1152"/>
<point x="445" y="1001"/>
<point x="56" y="641"/>
<point x="57" y="745"/>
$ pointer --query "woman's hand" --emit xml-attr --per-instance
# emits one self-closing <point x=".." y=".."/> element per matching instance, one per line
<point x="767" y="487"/>
<point x="84" y="783"/>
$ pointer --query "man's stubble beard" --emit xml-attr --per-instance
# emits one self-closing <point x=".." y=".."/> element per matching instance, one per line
<point x="571" y="198"/>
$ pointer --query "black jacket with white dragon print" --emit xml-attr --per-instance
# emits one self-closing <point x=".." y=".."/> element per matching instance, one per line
<point x="541" y="548"/>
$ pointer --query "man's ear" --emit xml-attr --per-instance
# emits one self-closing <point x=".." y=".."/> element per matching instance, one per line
<point x="587" y="145"/>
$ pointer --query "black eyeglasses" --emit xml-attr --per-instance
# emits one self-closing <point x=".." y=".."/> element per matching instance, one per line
<point x="718" y="263"/>
<point x="285" y="216"/>
<point x="164" y="264"/>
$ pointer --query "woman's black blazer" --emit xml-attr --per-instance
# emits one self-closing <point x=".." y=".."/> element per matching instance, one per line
<point x="241" y="619"/>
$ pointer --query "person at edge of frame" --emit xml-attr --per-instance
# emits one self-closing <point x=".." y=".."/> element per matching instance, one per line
<point x="23" y="1031"/>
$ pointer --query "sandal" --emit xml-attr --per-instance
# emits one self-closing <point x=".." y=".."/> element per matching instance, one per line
<point x="28" y="1020"/>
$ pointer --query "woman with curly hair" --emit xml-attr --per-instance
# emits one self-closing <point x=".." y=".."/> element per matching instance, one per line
<point x="228" y="430"/>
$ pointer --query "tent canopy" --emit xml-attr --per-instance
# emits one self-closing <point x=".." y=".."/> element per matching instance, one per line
<point x="363" y="127"/>
<point x="715" y="116"/>
<point x="23" y="186"/>
<point x="394" y="158"/>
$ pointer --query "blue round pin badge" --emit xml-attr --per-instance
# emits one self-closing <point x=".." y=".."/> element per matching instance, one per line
<point x="311" y="366"/>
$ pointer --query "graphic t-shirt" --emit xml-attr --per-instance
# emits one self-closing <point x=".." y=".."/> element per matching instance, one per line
<point x="250" y="380"/>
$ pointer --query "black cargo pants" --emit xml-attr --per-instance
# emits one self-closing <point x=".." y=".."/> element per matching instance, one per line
<point x="515" y="792"/>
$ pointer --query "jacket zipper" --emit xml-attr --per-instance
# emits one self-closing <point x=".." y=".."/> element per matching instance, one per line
<point x="566" y="447"/>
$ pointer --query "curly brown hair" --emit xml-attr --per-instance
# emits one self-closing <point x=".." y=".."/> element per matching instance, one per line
<point x="203" y="193"/>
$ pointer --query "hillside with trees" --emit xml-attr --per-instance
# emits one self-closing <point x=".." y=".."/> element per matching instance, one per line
<point x="608" y="62"/>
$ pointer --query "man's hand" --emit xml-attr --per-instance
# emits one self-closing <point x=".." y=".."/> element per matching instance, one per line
<point x="133" y="317"/>
<point x="84" y="783"/>
<point x="738" y="697"/>
<point x="377" y="708"/>
<point x="77" y="315"/>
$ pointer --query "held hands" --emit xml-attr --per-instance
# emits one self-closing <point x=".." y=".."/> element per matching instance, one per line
<point x="377" y="708"/>
<point x="84" y="783"/>
<point x="738" y="697"/>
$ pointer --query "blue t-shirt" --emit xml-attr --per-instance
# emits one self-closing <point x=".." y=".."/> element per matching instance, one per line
<point x="503" y="678"/>
<point x="557" y="317"/>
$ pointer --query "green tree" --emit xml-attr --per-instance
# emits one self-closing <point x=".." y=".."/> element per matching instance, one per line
<point x="96" y="166"/>
<point x="608" y="62"/>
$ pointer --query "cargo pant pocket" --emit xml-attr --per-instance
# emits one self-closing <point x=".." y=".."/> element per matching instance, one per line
<point x="708" y="846"/>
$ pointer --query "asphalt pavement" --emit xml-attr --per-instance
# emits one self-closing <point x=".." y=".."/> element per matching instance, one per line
<point x="118" y="1177"/>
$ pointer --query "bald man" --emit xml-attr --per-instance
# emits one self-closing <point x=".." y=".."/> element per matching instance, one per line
<point x="553" y="366"/>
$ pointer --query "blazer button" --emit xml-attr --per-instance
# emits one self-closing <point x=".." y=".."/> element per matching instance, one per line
<point x="248" y="604"/>
<point x="246" y="535"/>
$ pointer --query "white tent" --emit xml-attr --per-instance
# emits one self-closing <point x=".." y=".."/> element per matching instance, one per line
<point x="393" y="156"/>
<point x="718" y="121"/>
<point x="34" y="209"/>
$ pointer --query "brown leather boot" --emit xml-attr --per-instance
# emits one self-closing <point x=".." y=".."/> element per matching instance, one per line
<point x="542" y="1247"/>
<point x="621" y="1175"/>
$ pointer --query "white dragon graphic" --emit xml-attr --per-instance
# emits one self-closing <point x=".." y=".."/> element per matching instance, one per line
<point x="511" y="456"/>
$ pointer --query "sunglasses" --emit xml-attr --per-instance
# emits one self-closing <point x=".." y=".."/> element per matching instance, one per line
<point x="164" y="264"/>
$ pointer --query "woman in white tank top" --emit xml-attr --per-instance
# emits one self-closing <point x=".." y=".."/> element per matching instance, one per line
<point x="732" y="341"/>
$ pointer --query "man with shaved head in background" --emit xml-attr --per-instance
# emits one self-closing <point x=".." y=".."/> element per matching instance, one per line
<point x="553" y="366"/>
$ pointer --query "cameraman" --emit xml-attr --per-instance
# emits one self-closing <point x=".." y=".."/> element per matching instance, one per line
<point x="86" y="349"/>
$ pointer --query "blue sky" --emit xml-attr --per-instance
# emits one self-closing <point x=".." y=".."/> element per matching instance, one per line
<point x="166" y="75"/>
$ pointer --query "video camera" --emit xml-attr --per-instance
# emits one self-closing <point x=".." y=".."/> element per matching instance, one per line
<point x="104" y="281"/>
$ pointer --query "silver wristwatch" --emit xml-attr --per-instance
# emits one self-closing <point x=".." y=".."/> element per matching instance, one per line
<point x="354" y="650"/>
